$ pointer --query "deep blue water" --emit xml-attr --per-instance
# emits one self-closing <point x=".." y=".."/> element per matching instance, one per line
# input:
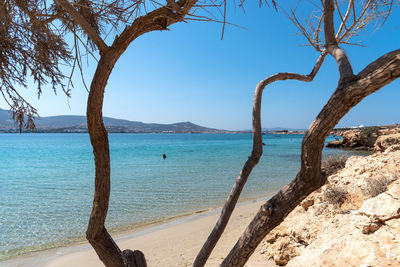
<point x="47" y="180"/>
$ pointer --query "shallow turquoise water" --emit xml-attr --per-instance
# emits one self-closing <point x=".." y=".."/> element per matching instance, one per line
<point x="46" y="180"/>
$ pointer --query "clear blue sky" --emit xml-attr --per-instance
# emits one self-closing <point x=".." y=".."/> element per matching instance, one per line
<point x="189" y="74"/>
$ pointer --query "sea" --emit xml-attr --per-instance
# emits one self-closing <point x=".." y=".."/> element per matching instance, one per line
<point x="47" y="181"/>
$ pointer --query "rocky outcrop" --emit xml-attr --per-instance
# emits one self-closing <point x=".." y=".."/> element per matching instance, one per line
<point x="385" y="141"/>
<point x="353" y="220"/>
<point x="366" y="138"/>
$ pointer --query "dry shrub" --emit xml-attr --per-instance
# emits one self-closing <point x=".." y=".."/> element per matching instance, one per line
<point x="335" y="195"/>
<point x="378" y="185"/>
<point x="369" y="131"/>
<point x="334" y="163"/>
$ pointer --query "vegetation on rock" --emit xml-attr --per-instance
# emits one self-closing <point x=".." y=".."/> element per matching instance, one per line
<point x="334" y="163"/>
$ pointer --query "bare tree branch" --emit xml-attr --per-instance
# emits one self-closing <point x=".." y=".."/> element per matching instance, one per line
<point x="303" y="31"/>
<point x="252" y="161"/>
<point x="329" y="28"/>
<point x="309" y="178"/>
<point x="331" y="44"/>
<point x="318" y="30"/>
<point x="344" y="20"/>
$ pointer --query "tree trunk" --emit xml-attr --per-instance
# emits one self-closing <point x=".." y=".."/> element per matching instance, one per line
<point x="252" y="161"/>
<point x="309" y="178"/>
<point x="96" y="233"/>
<point x="156" y="20"/>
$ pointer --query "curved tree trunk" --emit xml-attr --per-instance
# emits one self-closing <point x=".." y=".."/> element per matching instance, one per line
<point x="349" y="93"/>
<point x="97" y="235"/>
<point x="252" y="161"/>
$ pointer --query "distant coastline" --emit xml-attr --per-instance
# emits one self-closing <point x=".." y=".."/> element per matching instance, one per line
<point x="111" y="130"/>
<point x="78" y="124"/>
<point x="285" y="132"/>
<point x="119" y="130"/>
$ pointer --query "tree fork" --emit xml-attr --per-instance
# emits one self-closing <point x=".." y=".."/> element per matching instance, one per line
<point x="252" y="161"/>
<point x="310" y="177"/>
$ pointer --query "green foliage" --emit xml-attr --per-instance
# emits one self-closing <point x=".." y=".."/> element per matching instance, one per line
<point x="369" y="131"/>
<point x="341" y="129"/>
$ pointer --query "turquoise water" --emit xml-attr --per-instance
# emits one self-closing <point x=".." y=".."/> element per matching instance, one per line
<point x="46" y="180"/>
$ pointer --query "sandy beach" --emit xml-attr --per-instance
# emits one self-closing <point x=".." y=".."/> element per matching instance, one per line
<point x="173" y="243"/>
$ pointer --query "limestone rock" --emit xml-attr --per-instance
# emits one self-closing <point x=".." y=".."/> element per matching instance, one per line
<point x="367" y="138"/>
<point x="355" y="233"/>
<point x="355" y="139"/>
<point x="385" y="141"/>
<point x="375" y="244"/>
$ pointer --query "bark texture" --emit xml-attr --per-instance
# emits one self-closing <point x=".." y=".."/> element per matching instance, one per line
<point x="97" y="235"/>
<point x="310" y="177"/>
<point x="331" y="44"/>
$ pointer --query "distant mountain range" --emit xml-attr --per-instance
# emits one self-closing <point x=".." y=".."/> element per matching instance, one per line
<point x="67" y="123"/>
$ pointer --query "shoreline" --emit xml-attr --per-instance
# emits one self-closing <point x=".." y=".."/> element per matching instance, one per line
<point x="81" y="251"/>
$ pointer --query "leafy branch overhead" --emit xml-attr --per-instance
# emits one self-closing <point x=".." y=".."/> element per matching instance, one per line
<point x="41" y="41"/>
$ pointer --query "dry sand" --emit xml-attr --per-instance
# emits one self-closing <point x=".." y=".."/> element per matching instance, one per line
<point x="174" y="243"/>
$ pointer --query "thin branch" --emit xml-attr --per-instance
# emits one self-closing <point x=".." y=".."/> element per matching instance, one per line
<point x="223" y="25"/>
<point x="310" y="177"/>
<point x="346" y="16"/>
<point x="319" y="29"/>
<point x="355" y="22"/>
<point x="337" y="6"/>
<point x="293" y="18"/>
<point x="252" y="161"/>
<point x="89" y="30"/>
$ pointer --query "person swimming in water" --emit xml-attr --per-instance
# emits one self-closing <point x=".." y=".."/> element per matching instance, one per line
<point x="164" y="156"/>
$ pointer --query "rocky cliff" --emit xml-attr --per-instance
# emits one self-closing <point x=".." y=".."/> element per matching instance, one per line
<point x="367" y="138"/>
<point x="353" y="220"/>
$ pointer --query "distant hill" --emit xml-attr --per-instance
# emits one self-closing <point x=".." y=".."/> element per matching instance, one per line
<point x="6" y="120"/>
<point x="74" y="123"/>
